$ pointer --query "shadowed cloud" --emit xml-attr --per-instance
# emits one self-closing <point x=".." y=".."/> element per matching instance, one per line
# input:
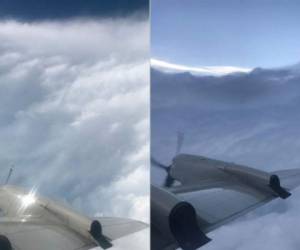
<point x="248" y="118"/>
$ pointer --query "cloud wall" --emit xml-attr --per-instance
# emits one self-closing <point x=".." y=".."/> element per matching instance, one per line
<point x="74" y="118"/>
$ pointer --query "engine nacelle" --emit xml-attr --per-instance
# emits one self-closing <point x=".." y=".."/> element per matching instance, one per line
<point x="96" y="232"/>
<point x="5" y="243"/>
<point x="259" y="178"/>
<point x="176" y="220"/>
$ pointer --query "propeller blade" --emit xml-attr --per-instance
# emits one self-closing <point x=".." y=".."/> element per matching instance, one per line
<point x="180" y="139"/>
<point x="169" y="180"/>
<point x="9" y="175"/>
<point x="158" y="164"/>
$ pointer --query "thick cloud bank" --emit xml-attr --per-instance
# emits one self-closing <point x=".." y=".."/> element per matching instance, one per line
<point x="74" y="117"/>
<point x="248" y="118"/>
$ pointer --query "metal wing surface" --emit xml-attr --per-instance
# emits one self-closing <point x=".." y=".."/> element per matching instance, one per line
<point x="30" y="222"/>
<point x="115" y="228"/>
<point x="222" y="191"/>
<point x="35" y="223"/>
<point x="32" y="236"/>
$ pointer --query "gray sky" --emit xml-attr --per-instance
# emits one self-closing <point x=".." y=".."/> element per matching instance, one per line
<point x="74" y="114"/>
<point x="240" y="33"/>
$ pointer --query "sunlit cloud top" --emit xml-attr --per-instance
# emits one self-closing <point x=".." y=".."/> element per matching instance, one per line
<point x="211" y="70"/>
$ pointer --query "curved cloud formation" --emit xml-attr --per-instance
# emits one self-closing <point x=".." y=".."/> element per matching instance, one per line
<point x="207" y="70"/>
<point x="74" y="112"/>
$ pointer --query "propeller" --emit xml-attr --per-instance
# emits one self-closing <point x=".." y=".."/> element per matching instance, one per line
<point x="169" y="181"/>
<point x="9" y="175"/>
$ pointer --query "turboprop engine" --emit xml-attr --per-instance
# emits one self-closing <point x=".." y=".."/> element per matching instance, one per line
<point x="175" y="219"/>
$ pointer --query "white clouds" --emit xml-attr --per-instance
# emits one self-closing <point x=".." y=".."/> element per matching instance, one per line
<point x="74" y="111"/>
<point x="81" y="41"/>
<point x="269" y="231"/>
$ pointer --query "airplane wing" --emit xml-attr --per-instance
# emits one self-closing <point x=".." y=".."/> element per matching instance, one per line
<point x="221" y="191"/>
<point x="208" y="194"/>
<point x="32" y="236"/>
<point x="115" y="228"/>
<point x="290" y="179"/>
<point x="30" y="222"/>
<point x="35" y="235"/>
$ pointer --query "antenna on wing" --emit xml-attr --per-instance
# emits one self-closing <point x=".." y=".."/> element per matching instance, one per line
<point x="9" y="175"/>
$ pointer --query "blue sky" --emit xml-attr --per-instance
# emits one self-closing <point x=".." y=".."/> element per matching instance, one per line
<point x="256" y="33"/>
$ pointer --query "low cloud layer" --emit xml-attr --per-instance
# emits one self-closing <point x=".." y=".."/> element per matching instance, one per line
<point x="74" y="114"/>
<point x="252" y="119"/>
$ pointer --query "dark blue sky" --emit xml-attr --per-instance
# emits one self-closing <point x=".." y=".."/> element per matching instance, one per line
<point x="243" y="33"/>
<point x="34" y="10"/>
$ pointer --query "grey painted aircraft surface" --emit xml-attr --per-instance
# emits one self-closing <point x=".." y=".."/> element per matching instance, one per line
<point x="202" y="194"/>
<point x="31" y="222"/>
